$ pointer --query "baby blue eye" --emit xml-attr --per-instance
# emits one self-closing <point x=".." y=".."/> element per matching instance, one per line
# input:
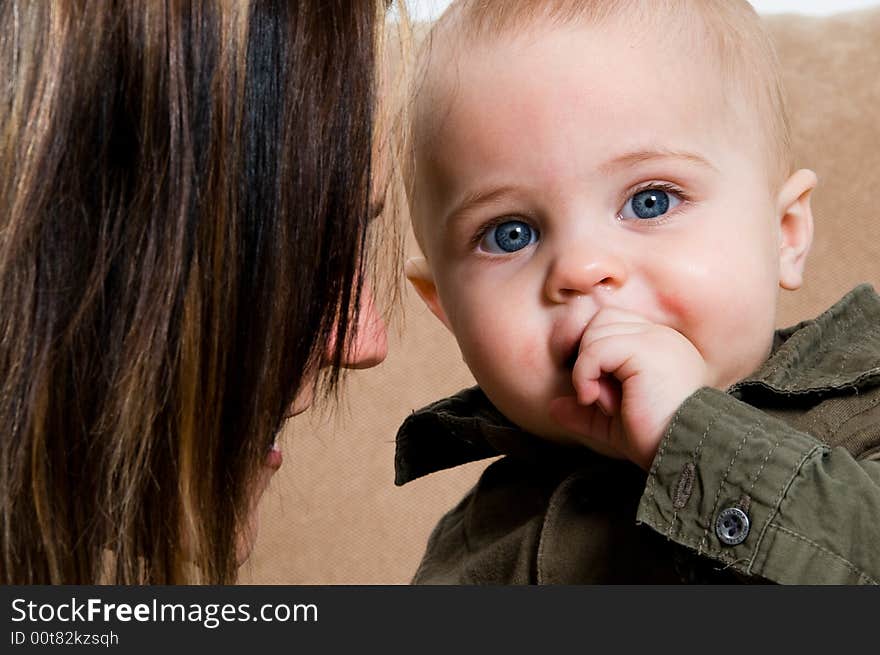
<point x="509" y="236"/>
<point x="650" y="203"/>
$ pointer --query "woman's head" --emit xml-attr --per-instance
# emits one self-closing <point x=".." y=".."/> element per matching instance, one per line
<point x="185" y="189"/>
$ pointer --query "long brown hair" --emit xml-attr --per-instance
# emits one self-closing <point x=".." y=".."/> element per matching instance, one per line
<point x="184" y="194"/>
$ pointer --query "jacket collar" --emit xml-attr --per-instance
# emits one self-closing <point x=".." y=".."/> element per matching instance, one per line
<point x="463" y="428"/>
<point x="837" y="352"/>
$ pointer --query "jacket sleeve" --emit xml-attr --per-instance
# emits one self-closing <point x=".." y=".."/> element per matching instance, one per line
<point x="812" y="513"/>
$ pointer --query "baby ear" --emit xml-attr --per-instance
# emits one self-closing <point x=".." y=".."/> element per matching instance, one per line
<point x="795" y="227"/>
<point x="420" y="276"/>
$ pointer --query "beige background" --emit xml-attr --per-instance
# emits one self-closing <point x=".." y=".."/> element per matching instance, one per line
<point x="333" y="514"/>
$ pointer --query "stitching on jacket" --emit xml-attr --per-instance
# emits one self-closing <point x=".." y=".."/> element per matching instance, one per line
<point x="685" y="486"/>
<point x="785" y="367"/>
<point x="867" y="408"/>
<point x="694" y="455"/>
<point x="774" y="510"/>
<point x="872" y="333"/>
<point x="849" y="565"/>
<point x="859" y="315"/>
<point x="850" y="350"/>
<point x="722" y="555"/>
<point x="698" y="449"/>
<point x="763" y="464"/>
<point x="721" y="484"/>
<point x="738" y="563"/>
<point x="652" y="475"/>
<point x="726" y="556"/>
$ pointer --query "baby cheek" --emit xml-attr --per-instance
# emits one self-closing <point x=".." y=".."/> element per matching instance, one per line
<point x="708" y="307"/>
<point x="476" y="330"/>
<point x="675" y="305"/>
<point x="696" y="307"/>
<point x="685" y="292"/>
<point x="499" y="345"/>
<point x="486" y="341"/>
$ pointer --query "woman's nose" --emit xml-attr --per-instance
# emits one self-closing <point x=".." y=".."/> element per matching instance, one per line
<point x="580" y="269"/>
<point x="368" y="345"/>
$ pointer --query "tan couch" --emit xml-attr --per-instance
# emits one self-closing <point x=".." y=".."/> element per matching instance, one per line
<point x="333" y="514"/>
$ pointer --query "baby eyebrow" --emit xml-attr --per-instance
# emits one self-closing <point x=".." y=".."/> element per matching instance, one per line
<point x="635" y="157"/>
<point x="477" y="199"/>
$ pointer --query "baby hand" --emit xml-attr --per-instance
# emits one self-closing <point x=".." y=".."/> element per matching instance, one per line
<point x="630" y="377"/>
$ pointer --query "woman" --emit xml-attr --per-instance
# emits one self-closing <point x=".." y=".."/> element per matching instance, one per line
<point x="184" y="199"/>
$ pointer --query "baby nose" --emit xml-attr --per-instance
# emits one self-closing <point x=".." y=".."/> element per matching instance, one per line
<point x="579" y="271"/>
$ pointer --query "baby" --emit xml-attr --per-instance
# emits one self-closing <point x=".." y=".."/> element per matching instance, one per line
<point x="607" y="205"/>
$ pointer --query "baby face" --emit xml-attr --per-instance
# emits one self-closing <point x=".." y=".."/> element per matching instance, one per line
<point x="577" y="170"/>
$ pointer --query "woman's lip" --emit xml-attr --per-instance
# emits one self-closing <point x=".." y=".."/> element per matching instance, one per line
<point x="274" y="458"/>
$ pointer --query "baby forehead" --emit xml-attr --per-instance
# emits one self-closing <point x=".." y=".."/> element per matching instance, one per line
<point x="632" y="73"/>
<point x="732" y="26"/>
<point x="725" y="40"/>
<point x="547" y="59"/>
<point x="528" y="91"/>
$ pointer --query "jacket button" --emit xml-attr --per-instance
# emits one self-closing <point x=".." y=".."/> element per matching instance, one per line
<point x="732" y="526"/>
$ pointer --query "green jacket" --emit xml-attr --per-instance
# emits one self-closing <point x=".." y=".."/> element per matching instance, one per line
<point x="777" y="479"/>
